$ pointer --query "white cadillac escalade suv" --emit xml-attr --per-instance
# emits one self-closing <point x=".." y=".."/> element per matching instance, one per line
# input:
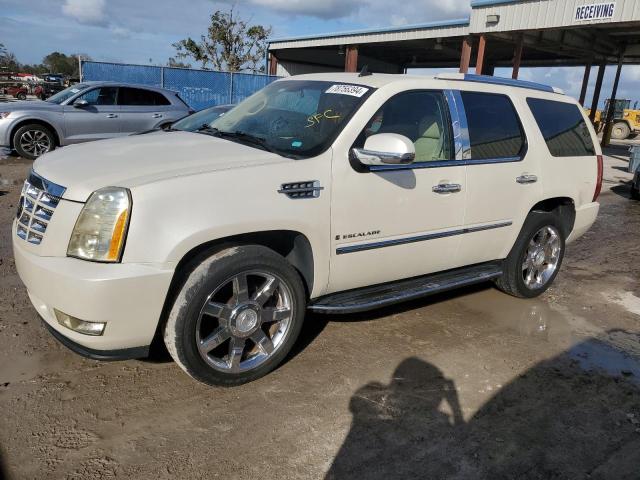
<point x="327" y="192"/>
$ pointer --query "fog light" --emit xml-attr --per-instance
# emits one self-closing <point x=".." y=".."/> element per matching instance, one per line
<point x="80" y="326"/>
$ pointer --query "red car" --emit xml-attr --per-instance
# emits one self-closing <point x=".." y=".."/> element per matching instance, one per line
<point x="17" y="91"/>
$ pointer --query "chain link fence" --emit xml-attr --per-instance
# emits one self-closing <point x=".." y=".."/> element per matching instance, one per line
<point x="199" y="88"/>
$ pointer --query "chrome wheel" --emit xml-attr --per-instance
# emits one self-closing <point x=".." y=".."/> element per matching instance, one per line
<point x="244" y="321"/>
<point x="35" y="142"/>
<point x="541" y="257"/>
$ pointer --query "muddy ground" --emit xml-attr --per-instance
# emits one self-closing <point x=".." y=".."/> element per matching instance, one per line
<point x="472" y="384"/>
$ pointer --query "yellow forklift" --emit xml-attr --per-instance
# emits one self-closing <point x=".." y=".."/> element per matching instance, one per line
<point x="626" y="120"/>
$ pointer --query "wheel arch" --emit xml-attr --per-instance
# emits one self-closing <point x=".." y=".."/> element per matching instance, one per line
<point x="565" y="208"/>
<point x="294" y="246"/>
<point x="38" y="121"/>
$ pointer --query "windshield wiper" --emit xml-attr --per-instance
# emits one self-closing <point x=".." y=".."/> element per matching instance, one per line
<point x="206" y="128"/>
<point x="242" y="136"/>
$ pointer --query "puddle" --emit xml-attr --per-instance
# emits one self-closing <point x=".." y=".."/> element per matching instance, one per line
<point x="614" y="352"/>
<point x="599" y="355"/>
<point x="526" y="317"/>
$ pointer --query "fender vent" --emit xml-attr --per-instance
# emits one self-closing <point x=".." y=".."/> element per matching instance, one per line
<point x="308" y="189"/>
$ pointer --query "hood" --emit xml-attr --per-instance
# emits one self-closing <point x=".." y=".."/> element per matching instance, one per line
<point x="30" y="105"/>
<point x="140" y="159"/>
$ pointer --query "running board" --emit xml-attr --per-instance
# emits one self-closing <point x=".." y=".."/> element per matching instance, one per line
<point x="376" y="296"/>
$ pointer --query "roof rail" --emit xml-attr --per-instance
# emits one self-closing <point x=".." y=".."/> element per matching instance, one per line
<point x="468" y="77"/>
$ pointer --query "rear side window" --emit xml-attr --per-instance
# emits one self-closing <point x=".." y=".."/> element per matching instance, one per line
<point x="494" y="127"/>
<point x="563" y="128"/>
<point x="140" y="97"/>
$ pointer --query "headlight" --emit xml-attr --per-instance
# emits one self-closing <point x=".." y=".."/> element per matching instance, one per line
<point x="101" y="228"/>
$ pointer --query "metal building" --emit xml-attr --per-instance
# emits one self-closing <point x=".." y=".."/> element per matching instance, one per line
<point x="498" y="33"/>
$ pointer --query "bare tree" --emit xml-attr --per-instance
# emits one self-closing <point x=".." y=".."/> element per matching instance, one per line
<point x="231" y="44"/>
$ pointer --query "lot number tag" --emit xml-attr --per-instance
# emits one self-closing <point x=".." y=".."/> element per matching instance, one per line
<point x="352" y="90"/>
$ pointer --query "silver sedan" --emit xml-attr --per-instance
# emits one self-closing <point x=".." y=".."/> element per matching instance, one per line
<point x="84" y="112"/>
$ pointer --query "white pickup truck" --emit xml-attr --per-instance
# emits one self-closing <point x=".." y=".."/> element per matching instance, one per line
<point x="327" y="192"/>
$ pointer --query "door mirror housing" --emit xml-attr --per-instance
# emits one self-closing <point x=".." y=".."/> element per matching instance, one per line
<point x="81" y="103"/>
<point x="386" y="149"/>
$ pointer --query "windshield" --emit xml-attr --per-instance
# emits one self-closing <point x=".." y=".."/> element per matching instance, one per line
<point x="67" y="93"/>
<point x="296" y="118"/>
<point x="201" y="118"/>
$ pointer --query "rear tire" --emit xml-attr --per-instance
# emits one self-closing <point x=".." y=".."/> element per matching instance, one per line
<point x="33" y="140"/>
<point x="620" y="131"/>
<point x="536" y="257"/>
<point x="21" y="96"/>
<point x="236" y="317"/>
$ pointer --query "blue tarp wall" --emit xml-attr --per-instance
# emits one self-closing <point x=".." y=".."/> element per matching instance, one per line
<point x="199" y="88"/>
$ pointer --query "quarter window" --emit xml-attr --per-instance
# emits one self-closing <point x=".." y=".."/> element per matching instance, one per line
<point x="563" y="128"/>
<point x="422" y="117"/>
<point x="494" y="127"/>
<point x="140" y="97"/>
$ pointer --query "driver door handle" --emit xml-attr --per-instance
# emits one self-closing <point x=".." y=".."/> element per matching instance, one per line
<point x="524" y="179"/>
<point x="443" y="188"/>
<point x="112" y="115"/>
<point x="157" y="115"/>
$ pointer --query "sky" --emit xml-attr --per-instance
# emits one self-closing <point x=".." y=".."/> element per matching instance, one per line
<point x="142" y="31"/>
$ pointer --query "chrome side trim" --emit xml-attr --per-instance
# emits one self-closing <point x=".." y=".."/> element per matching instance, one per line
<point x="418" y="238"/>
<point x="445" y="163"/>
<point x="45" y="185"/>
<point x="461" y="142"/>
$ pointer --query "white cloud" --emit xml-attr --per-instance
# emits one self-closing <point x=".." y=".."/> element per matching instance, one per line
<point x="372" y="12"/>
<point x="325" y="9"/>
<point x="86" y="11"/>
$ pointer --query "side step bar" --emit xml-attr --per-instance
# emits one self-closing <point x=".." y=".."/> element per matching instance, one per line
<point x="376" y="296"/>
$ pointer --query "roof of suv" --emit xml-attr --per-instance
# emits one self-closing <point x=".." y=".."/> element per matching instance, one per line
<point x="378" y="80"/>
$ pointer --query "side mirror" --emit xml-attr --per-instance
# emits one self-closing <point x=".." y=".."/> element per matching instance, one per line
<point x="386" y="149"/>
<point x="80" y="103"/>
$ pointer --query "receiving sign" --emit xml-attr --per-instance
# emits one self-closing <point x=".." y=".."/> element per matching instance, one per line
<point x="596" y="11"/>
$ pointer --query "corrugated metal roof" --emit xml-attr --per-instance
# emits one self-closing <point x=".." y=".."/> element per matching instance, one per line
<point x="484" y="3"/>
<point x="402" y="28"/>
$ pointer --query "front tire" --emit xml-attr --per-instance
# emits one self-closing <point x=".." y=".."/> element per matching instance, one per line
<point x="536" y="257"/>
<point x="33" y="140"/>
<point x="237" y="316"/>
<point x="620" y="131"/>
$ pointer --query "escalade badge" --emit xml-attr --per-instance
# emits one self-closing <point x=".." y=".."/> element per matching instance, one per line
<point x="357" y="235"/>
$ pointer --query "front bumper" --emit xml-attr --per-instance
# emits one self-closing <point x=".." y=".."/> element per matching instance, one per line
<point x="585" y="217"/>
<point x="128" y="297"/>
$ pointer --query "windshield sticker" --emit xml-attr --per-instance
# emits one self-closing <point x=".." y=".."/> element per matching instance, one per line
<point x="296" y="144"/>
<point x="316" y="118"/>
<point x="353" y="90"/>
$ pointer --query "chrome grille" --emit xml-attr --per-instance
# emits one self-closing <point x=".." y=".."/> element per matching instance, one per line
<point x="38" y="201"/>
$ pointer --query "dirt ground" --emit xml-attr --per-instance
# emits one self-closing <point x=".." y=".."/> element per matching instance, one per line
<point x="472" y="384"/>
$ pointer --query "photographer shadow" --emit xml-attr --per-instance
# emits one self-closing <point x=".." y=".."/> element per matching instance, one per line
<point x="556" y="420"/>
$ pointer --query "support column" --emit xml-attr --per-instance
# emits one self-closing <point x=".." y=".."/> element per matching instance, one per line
<point x="585" y="83"/>
<point x="273" y="64"/>
<point x="606" y="134"/>
<point x="596" y="91"/>
<point x="517" y="56"/>
<point x="465" y="57"/>
<point x="351" y="58"/>
<point x="482" y="43"/>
